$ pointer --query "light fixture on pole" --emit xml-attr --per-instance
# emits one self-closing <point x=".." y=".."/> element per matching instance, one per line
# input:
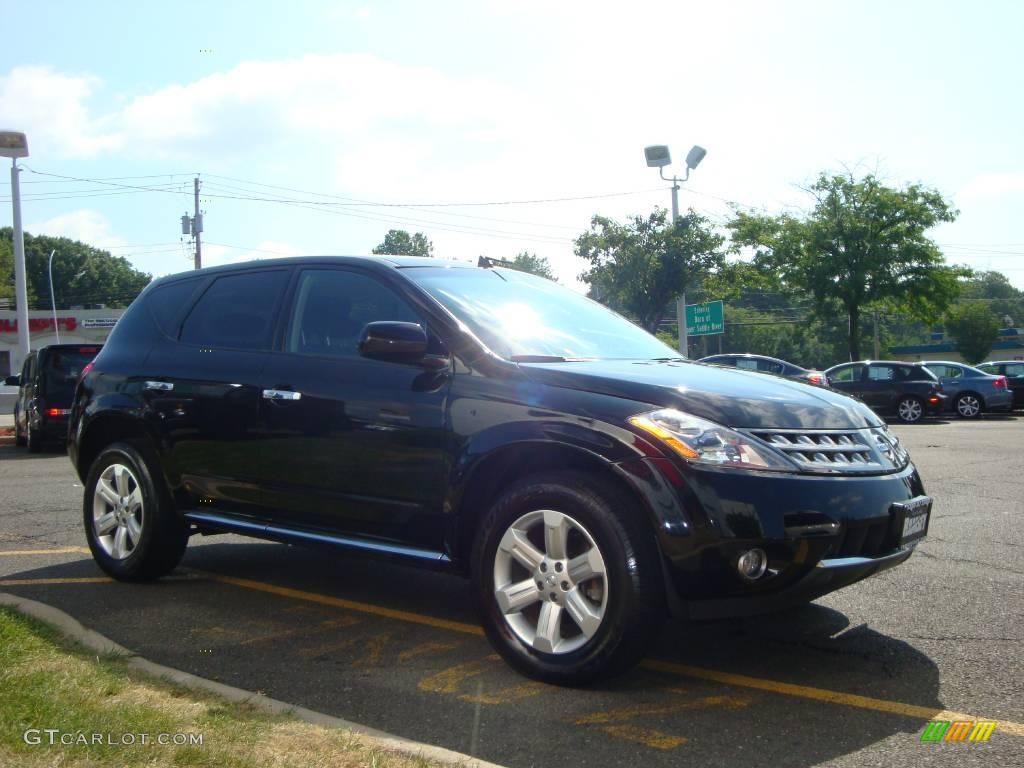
<point x="658" y="157"/>
<point x="14" y="144"/>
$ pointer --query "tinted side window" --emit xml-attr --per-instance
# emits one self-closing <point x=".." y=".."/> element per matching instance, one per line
<point x="746" y="364"/>
<point x="332" y="307"/>
<point x="236" y="312"/>
<point x="167" y="302"/>
<point x="881" y="373"/>
<point x="1014" y="369"/>
<point x="767" y="366"/>
<point x="842" y="374"/>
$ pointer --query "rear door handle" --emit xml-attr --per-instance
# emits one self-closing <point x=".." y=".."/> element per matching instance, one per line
<point x="160" y="386"/>
<point x="281" y="394"/>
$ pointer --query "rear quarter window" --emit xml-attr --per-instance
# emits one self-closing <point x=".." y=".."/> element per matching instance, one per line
<point x="237" y="311"/>
<point x="168" y="302"/>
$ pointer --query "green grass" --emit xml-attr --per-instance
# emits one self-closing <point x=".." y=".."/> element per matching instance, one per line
<point x="47" y="684"/>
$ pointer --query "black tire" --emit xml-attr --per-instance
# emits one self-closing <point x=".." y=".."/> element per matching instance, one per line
<point x="969" y="405"/>
<point x="632" y="592"/>
<point x="910" y="409"/>
<point x="34" y="439"/>
<point x="19" y="439"/>
<point x="163" y="533"/>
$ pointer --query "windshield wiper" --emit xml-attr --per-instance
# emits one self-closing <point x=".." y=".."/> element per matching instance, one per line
<point x="537" y="359"/>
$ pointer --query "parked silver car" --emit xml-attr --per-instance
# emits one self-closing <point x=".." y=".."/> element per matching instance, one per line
<point x="971" y="392"/>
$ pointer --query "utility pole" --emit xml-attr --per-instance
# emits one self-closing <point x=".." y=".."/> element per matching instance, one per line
<point x="193" y="225"/>
<point x="197" y="228"/>
<point x="684" y="340"/>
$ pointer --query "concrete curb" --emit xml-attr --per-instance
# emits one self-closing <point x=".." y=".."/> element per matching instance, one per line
<point x="97" y="643"/>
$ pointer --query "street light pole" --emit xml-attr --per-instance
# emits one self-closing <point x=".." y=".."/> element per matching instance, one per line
<point x="13" y="144"/>
<point x="53" y="302"/>
<point x="658" y="157"/>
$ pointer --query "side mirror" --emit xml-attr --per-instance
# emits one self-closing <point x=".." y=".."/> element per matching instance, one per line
<point x="13" y="381"/>
<point x="394" y="342"/>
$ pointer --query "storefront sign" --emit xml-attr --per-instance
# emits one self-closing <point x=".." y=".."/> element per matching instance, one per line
<point x="37" y="324"/>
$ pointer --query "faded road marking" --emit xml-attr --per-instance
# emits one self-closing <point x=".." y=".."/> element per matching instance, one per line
<point x="450" y="681"/>
<point x="424" y="649"/>
<point x="649" y="737"/>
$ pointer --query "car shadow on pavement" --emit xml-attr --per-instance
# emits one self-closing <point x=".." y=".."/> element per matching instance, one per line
<point x="714" y="693"/>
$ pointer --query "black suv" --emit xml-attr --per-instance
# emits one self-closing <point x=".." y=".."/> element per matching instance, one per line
<point x="488" y="422"/>
<point x="46" y="388"/>
<point x="908" y="391"/>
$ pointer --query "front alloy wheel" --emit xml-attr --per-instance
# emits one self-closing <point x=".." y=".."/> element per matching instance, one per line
<point x="968" y="406"/>
<point x="553" y="595"/>
<point x="909" y="410"/>
<point x="566" y="572"/>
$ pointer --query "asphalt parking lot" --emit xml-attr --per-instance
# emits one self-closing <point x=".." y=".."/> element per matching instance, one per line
<point x="851" y="679"/>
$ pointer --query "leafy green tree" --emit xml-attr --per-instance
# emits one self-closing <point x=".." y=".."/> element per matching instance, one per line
<point x="863" y="244"/>
<point x="1003" y="299"/>
<point x="398" y="242"/>
<point x="82" y="274"/>
<point x="639" y="267"/>
<point x="534" y="264"/>
<point x="974" y="329"/>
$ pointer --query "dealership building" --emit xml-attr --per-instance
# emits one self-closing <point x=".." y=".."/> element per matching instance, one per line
<point x="76" y="326"/>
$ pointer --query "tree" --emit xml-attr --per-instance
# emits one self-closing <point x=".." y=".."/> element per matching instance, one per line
<point x="82" y="274"/>
<point x="974" y="328"/>
<point x="639" y="267"/>
<point x="863" y="244"/>
<point x="1005" y="301"/>
<point x="398" y="242"/>
<point x="534" y="264"/>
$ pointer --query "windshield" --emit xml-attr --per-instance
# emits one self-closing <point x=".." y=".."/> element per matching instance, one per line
<point x="60" y="371"/>
<point x="518" y="315"/>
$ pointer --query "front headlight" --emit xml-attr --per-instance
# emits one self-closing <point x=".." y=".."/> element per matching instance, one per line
<point x="704" y="442"/>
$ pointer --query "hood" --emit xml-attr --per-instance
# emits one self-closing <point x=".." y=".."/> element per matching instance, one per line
<point x="727" y="396"/>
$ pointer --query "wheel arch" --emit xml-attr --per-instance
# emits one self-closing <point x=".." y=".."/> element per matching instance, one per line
<point x="490" y="474"/>
<point x="109" y="427"/>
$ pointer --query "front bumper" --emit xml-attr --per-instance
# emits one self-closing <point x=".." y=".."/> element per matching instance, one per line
<point x="821" y="532"/>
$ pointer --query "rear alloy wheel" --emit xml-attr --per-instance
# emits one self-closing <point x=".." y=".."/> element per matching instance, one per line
<point x="133" y="530"/>
<point x="968" y="406"/>
<point x="567" y="576"/>
<point x="909" y="410"/>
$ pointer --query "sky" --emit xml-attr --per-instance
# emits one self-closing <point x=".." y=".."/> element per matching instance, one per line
<point x="497" y="127"/>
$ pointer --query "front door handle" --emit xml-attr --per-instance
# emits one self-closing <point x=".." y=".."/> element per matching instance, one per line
<point x="160" y="386"/>
<point x="281" y="394"/>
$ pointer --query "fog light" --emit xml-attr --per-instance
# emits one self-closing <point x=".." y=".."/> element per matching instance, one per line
<point x="752" y="564"/>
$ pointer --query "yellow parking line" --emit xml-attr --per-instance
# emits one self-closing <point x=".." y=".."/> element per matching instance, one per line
<point x="352" y="605"/>
<point x="656" y="665"/>
<point x="56" y="551"/>
<point x="34" y="582"/>
<point x="822" y="694"/>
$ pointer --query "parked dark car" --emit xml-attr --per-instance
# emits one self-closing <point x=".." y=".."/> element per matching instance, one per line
<point x="969" y="391"/>
<point x="908" y="391"/>
<point x="46" y="387"/>
<point x="1013" y="370"/>
<point x="487" y="422"/>
<point x="764" y="364"/>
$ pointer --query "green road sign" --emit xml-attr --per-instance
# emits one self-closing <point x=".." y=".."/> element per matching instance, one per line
<point x="705" y="319"/>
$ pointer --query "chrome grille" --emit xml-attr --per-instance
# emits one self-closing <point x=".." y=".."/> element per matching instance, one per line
<point x="837" y="451"/>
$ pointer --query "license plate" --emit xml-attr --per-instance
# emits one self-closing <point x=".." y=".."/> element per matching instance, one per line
<point x="915" y="518"/>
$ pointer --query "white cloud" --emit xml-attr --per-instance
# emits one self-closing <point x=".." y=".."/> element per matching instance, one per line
<point x="87" y="225"/>
<point x="991" y="185"/>
<point x="51" y="108"/>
